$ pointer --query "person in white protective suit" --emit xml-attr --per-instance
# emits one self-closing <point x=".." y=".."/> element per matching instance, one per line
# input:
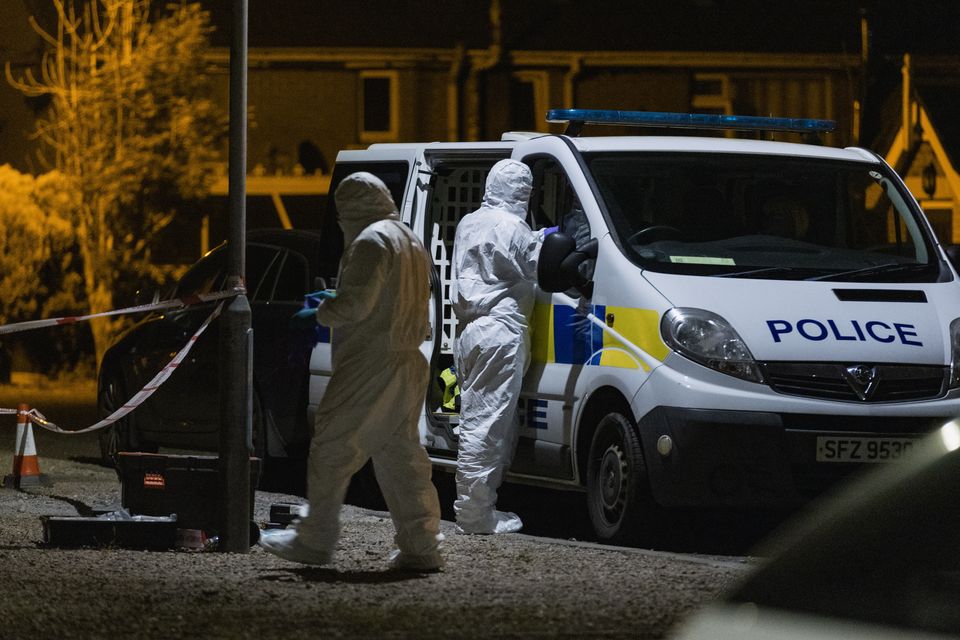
<point x="494" y="267"/>
<point x="373" y="402"/>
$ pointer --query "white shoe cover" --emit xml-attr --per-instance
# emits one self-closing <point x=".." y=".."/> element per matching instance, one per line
<point x="507" y="522"/>
<point x="285" y="544"/>
<point x="500" y="522"/>
<point x="425" y="563"/>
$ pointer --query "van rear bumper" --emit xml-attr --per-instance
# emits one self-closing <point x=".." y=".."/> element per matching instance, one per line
<point x="752" y="459"/>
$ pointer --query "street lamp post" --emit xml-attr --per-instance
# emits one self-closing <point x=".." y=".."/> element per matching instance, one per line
<point x="236" y="334"/>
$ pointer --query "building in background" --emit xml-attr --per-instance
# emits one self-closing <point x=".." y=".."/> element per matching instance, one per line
<point x="462" y="70"/>
<point x="326" y="76"/>
<point x="20" y="48"/>
<point x="925" y="145"/>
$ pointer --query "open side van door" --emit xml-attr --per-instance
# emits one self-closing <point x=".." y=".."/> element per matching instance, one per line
<point x="450" y="185"/>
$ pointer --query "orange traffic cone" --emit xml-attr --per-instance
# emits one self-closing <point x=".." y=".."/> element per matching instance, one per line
<point x="26" y="466"/>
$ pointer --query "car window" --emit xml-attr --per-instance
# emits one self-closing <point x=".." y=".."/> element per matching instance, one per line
<point x="293" y="281"/>
<point x="263" y="263"/>
<point x="205" y="276"/>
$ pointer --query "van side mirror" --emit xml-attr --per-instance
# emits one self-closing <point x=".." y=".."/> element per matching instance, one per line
<point x="953" y="255"/>
<point x="555" y="249"/>
<point x="558" y="268"/>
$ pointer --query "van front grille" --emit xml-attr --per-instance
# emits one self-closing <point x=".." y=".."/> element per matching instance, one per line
<point x="856" y="382"/>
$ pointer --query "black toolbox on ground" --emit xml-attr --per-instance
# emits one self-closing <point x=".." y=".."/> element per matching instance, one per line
<point x="187" y="485"/>
<point x="139" y="532"/>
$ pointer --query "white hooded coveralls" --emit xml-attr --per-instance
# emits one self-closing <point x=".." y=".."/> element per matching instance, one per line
<point x="372" y="405"/>
<point x="494" y="267"/>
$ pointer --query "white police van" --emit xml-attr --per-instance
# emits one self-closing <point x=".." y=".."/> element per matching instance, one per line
<point x="766" y="316"/>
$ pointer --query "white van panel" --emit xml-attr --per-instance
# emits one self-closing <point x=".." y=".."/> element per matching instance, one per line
<point x="800" y="320"/>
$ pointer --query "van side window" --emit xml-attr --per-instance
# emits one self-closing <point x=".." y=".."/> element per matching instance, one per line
<point x="555" y="203"/>
<point x="456" y="189"/>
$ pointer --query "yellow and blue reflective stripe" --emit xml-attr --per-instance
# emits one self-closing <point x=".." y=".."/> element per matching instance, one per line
<point x="563" y="336"/>
<point x="541" y="344"/>
<point x="576" y="339"/>
<point x="533" y="413"/>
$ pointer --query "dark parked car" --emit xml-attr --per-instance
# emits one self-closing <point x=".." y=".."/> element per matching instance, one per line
<point x="880" y="560"/>
<point x="281" y="266"/>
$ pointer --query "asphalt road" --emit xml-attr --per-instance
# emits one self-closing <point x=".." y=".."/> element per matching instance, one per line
<point x="511" y="586"/>
<point x="549" y="513"/>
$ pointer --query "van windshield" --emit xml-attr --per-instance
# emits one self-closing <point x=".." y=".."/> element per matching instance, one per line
<point x="758" y="216"/>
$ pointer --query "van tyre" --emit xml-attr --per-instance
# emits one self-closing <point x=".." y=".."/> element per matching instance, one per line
<point x="621" y="508"/>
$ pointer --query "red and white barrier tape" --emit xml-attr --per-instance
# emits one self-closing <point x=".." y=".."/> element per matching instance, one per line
<point x="138" y="398"/>
<point x="154" y="306"/>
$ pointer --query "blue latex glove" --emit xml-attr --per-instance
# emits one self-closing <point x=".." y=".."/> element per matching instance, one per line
<point x="550" y="230"/>
<point x="323" y="294"/>
<point x="313" y="300"/>
<point x="306" y="318"/>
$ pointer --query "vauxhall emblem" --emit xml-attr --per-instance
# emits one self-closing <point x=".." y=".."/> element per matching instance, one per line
<point x="863" y="379"/>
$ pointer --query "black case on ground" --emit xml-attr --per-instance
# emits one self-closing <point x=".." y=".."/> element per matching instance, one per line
<point x="187" y="485"/>
<point x="81" y="531"/>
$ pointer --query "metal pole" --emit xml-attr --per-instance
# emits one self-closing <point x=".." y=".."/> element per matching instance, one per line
<point x="236" y="334"/>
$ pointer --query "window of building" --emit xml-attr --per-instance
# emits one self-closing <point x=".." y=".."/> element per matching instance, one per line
<point x="378" y="106"/>
<point x="711" y="93"/>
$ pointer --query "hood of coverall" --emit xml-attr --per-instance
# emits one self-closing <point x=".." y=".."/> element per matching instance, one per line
<point x="509" y="184"/>
<point x="362" y="199"/>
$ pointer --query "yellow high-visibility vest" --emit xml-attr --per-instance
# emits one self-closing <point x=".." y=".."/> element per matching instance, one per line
<point x="451" y="390"/>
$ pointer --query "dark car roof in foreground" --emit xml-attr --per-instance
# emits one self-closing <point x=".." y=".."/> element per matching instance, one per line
<point x="882" y="550"/>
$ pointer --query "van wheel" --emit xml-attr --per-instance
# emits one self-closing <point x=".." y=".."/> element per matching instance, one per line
<point x="618" y="493"/>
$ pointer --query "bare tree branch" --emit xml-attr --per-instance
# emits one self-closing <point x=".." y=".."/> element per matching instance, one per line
<point x="113" y="130"/>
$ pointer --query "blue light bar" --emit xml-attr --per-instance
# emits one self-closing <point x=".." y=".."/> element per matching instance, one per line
<point x="579" y="117"/>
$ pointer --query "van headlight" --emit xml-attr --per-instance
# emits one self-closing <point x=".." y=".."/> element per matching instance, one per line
<point x="707" y="338"/>
<point x="955" y="353"/>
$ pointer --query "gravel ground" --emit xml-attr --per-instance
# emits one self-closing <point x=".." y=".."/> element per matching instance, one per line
<point x="494" y="586"/>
